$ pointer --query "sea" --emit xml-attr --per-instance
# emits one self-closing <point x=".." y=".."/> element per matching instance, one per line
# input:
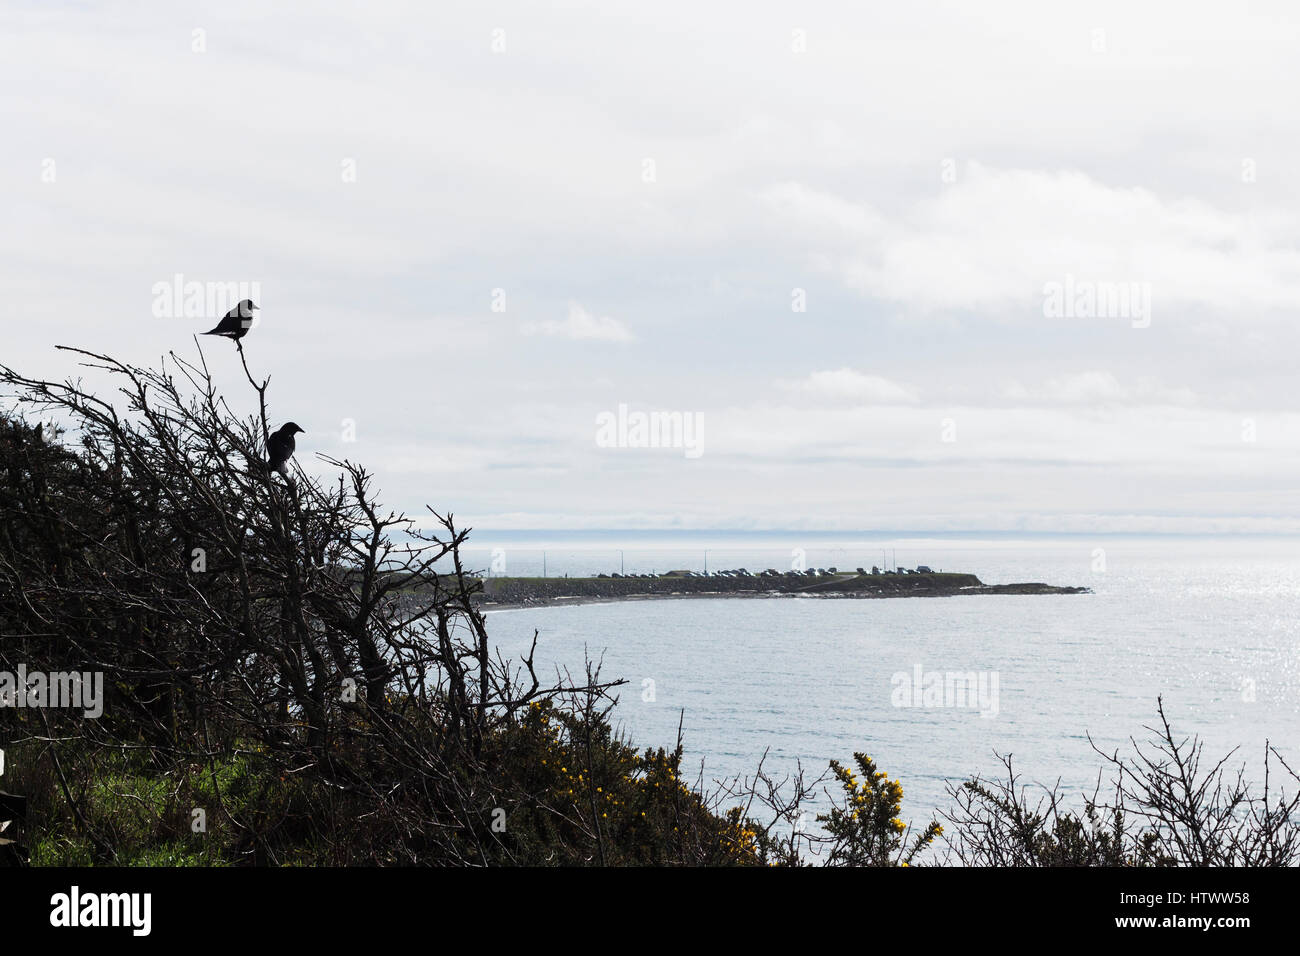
<point x="1210" y="626"/>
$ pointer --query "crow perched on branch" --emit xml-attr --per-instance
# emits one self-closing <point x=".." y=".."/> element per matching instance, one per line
<point x="280" y="446"/>
<point x="237" y="321"/>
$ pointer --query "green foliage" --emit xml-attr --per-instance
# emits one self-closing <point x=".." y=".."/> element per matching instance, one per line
<point x="552" y="806"/>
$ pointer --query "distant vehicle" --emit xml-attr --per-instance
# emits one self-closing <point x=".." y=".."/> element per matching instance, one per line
<point x="875" y="569"/>
<point x="923" y="569"/>
<point x="602" y="575"/>
<point x="832" y="570"/>
<point x="860" y="571"/>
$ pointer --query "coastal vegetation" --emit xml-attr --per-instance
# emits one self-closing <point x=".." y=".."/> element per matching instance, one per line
<point x="295" y="675"/>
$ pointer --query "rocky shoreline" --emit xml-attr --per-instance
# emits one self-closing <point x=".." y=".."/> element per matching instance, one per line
<point x="505" y="593"/>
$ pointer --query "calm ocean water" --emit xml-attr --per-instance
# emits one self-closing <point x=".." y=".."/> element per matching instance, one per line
<point x="1212" y="625"/>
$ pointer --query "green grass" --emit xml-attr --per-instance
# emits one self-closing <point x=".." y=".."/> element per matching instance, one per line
<point x="148" y="815"/>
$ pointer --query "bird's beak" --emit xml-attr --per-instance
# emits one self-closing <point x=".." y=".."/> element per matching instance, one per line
<point x="253" y="308"/>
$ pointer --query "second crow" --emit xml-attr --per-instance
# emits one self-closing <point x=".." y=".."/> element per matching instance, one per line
<point x="280" y="447"/>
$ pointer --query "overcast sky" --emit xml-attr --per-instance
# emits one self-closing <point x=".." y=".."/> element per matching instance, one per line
<point x="476" y="231"/>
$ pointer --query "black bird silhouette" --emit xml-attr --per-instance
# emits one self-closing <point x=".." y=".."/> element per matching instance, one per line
<point x="237" y="321"/>
<point x="280" y="446"/>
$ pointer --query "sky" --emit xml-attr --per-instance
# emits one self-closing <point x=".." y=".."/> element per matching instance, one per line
<point x="927" y="266"/>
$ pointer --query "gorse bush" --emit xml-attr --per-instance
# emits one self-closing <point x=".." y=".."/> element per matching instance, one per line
<point x="866" y="829"/>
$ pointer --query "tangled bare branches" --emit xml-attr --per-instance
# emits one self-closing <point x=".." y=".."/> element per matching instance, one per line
<point x="296" y="624"/>
<point x="1166" y="809"/>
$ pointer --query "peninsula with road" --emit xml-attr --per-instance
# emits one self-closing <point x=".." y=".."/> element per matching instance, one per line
<point x="829" y="583"/>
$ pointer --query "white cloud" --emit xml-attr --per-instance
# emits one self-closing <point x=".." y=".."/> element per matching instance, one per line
<point x="580" y="325"/>
<point x="990" y="241"/>
<point x="1097" y="387"/>
<point x="846" y="384"/>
